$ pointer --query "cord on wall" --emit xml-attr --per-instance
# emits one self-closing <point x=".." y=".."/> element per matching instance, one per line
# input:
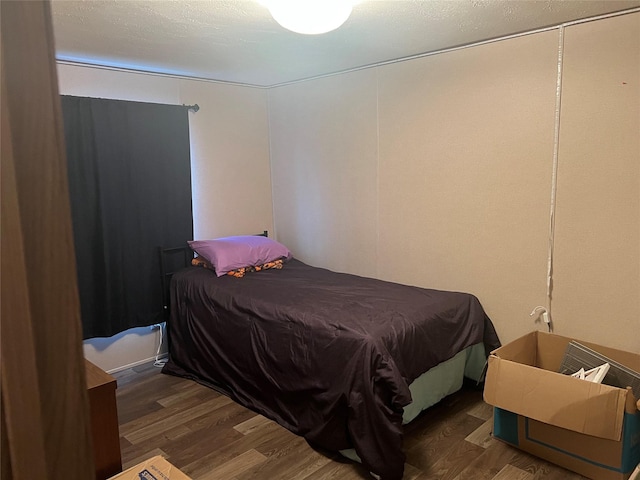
<point x="542" y="312"/>
<point x="545" y="311"/>
<point x="159" y="362"/>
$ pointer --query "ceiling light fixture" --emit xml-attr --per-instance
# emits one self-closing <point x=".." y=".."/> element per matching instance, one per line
<point x="310" y="17"/>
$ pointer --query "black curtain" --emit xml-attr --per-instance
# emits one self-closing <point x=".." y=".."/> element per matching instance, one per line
<point x="130" y="189"/>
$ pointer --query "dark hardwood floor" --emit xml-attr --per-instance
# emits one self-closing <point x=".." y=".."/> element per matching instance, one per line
<point x="209" y="437"/>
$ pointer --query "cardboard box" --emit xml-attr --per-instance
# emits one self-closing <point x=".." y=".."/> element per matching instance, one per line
<point x="589" y="428"/>
<point x="156" y="468"/>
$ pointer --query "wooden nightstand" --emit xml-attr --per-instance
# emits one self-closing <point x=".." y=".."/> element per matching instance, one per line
<point x="104" y="421"/>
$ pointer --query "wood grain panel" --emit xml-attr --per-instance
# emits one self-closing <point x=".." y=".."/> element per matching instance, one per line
<point x="482" y="410"/>
<point x="236" y="466"/>
<point x="489" y="463"/>
<point x="232" y="442"/>
<point x="481" y="436"/>
<point x="251" y="425"/>
<point x="144" y="456"/>
<point x="20" y="392"/>
<point x="44" y="391"/>
<point x="167" y="423"/>
<point x="182" y="395"/>
<point x="296" y="461"/>
<point x="509" y="472"/>
<point x="5" y="459"/>
<point x="155" y="416"/>
<point x="104" y="421"/>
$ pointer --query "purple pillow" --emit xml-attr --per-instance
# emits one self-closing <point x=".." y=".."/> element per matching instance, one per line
<point x="230" y="253"/>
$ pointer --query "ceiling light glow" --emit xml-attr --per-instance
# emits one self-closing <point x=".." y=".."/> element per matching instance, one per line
<point x="309" y="17"/>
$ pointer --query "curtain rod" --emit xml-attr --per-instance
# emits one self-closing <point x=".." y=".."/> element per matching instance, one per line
<point x="194" y="107"/>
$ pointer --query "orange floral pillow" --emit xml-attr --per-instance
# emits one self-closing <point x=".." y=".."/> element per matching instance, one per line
<point x="201" y="262"/>
<point x="240" y="272"/>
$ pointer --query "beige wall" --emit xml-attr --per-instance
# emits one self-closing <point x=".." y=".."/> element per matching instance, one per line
<point x="434" y="172"/>
<point x="466" y="142"/>
<point x="438" y="172"/>
<point x="230" y="168"/>
<point x="324" y="170"/>
<point x="597" y="267"/>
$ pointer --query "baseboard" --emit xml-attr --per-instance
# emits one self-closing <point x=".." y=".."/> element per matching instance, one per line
<point x="135" y="364"/>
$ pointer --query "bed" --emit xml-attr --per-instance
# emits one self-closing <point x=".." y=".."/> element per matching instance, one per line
<point x="333" y="357"/>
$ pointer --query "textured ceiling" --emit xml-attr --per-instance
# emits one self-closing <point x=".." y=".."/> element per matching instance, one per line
<point x="238" y="41"/>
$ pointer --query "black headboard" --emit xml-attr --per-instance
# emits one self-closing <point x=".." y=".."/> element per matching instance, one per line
<point x="173" y="259"/>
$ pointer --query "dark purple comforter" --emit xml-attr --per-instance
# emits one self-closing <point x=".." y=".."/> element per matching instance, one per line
<point x="327" y="355"/>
